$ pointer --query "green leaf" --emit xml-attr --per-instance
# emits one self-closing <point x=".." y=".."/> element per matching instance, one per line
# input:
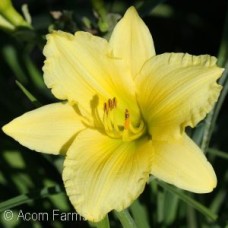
<point x="221" y="195"/>
<point x="218" y="200"/>
<point x="223" y="50"/>
<point x="10" y="56"/>
<point x="170" y="207"/>
<point x="190" y="201"/>
<point x="197" y="133"/>
<point x="223" y="62"/>
<point x="148" y="6"/>
<point x="99" y="7"/>
<point x="25" y="198"/>
<point x="191" y="217"/>
<point x="167" y="205"/>
<point x="160" y="207"/>
<point x="218" y="153"/>
<point x="139" y="214"/>
<point x="34" y="73"/>
<point x="28" y="94"/>
<point x="212" y="116"/>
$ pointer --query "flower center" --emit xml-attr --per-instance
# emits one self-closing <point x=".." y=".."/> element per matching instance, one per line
<point x="126" y="130"/>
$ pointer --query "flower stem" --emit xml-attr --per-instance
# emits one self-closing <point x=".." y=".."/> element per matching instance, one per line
<point x="104" y="223"/>
<point x="126" y="219"/>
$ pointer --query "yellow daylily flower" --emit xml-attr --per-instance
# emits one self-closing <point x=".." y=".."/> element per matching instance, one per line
<point x="124" y="116"/>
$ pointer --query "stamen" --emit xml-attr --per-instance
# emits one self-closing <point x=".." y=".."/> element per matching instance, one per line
<point x="127" y="119"/>
<point x="110" y="106"/>
<point x="114" y="102"/>
<point x="110" y="124"/>
<point x="105" y="108"/>
<point x="113" y="129"/>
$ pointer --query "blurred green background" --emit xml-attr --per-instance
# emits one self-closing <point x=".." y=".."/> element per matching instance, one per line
<point x="32" y="182"/>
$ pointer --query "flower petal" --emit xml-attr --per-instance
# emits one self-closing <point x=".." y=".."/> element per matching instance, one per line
<point x="71" y="62"/>
<point x="132" y="41"/>
<point x="102" y="174"/>
<point x="178" y="89"/>
<point x="183" y="164"/>
<point x="81" y="68"/>
<point x="49" y="129"/>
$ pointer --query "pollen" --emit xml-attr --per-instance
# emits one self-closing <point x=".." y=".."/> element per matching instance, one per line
<point x="110" y="105"/>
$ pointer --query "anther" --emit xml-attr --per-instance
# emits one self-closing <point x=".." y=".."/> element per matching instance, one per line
<point x="114" y="103"/>
<point x="127" y="119"/>
<point x="127" y="114"/>
<point x="110" y="105"/>
<point x="105" y="108"/>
